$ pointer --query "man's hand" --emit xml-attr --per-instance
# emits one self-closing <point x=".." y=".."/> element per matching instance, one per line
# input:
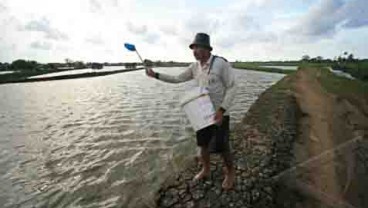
<point x="150" y="72"/>
<point x="219" y="116"/>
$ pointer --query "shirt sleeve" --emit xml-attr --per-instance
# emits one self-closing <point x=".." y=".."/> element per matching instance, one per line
<point x="183" y="77"/>
<point x="229" y="84"/>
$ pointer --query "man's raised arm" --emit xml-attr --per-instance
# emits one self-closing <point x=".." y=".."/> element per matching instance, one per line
<point x="183" y="77"/>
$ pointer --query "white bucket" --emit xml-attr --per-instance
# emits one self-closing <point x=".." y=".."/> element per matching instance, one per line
<point x="198" y="107"/>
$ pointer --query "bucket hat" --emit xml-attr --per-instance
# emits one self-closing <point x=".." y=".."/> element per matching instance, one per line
<point x="201" y="39"/>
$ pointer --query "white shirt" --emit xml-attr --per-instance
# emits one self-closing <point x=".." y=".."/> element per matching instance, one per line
<point x="220" y="81"/>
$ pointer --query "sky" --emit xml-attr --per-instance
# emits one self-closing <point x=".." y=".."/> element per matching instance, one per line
<point x="243" y="30"/>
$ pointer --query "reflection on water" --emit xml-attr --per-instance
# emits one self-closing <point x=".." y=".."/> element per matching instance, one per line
<point x="79" y="71"/>
<point x="101" y="141"/>
<point x="282" y="67"/>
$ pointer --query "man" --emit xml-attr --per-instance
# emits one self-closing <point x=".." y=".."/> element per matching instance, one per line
<point x="216" y="75"/>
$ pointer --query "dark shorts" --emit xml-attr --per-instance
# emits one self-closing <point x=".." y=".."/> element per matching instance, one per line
<point x="215" y="137"/>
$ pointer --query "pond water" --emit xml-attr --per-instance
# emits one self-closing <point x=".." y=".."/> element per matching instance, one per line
<point x="105" y="141"/>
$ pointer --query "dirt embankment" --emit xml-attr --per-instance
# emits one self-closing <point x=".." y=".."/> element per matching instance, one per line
<point x="303" y="143"/>
<point x="331" y="147"/>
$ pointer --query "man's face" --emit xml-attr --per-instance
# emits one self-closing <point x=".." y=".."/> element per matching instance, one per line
<point x="200" y="52"/>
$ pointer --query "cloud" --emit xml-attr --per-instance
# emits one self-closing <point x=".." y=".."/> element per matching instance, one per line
<point x="43" y="25"/>
<point x="328" y="17"/>
<point x="95" y="6"/>
<point x="56" y="35"/>
<point x="41" y="45"/>
<point x="97" y="40"/>
<point x="3" y="8"/>
<point x="136" y="29"/>
<point x="261" y="37"/>
<point x="115" y="3"/>
<point x="247" y="22"/>
<point x="151" y="38"/>
<point x="100" y="6"/>
<point x="169" y="30"/>
<point x="201" y="22"/>
<point x="251" y="38"/>
<point x="356" y="13"/>
<point x="250" y="29"/>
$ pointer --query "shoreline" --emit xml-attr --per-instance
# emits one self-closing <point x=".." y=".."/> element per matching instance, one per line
<point x="262" y="69"/>
<point x="261" y="148"/>
<point x="274" y="144"/>
<point x="23" y="78"/>
<point x="72" y="76"/>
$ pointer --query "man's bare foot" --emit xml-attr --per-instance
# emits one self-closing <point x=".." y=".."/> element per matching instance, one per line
<point x="229" y="179"/>
<point x="201" y="175"/>
<point x="198" y="160"/>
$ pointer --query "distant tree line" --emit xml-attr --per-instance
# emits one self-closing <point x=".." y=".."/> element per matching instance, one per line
<point x="159" y="63"/>
<point x="20" y="65"/>
<point x="30" y="65"/>
<point x="346" y="62"/>
<point x="346" y="57"/>
<point x="23" y="65"/>
<point x="4" y="66"/>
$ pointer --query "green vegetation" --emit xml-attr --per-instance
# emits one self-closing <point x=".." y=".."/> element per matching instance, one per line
<point x="23" y="75"/>
<point x="159" y="63"/>
<point x="24" y="69"/>
<point x="341" y="86"/>
<point x="357" y="69"/>
<point x="346" y="63"/>
<point x="23" y="65"/>
<point x="255" y="67"/>
<point x="271" y="63"/>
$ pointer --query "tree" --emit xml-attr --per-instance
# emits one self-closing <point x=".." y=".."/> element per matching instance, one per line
<point x="23" y="65"/>
<point x="158" y="63"/>
<point x="68" y="62"/>
<point x="319" y="58"/>
<point x="148" y="62"/>
<point x="305" y="58"/>
<point x="130" y="65"/>
<point x="340" y="59"/>
<point x="52" y="66"/>
<point x="351" y="57"/>
<point x="79" y="65"/>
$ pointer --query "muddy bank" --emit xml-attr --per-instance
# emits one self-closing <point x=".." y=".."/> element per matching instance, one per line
<point x="70" y="76"/>
<point x="331" y="146"/>
<point x="300" y="145"/>
<point x="262" y="145"/>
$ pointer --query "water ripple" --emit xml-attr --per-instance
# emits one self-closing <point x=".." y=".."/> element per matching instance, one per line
<point x="100" y="142"/>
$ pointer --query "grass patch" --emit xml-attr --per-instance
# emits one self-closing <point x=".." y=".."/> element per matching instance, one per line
<point x="341" y="85"/>
<point x="358" y="69"/>
<point x="270" y="107"/>
<point x="254" y="66"/>
<point x="272" y="63"/>
<point x="23" y="75"/>
<point x="314" y="65"/>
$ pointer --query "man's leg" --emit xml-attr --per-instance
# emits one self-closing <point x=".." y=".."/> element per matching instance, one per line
<point x="205" y="159"/>
<point x="204" y="136"/>
<point x="221" y="144"/>
<point x="229" y="170"/>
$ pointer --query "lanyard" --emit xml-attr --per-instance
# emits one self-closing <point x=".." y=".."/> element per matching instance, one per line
<point x="211" y="63"/>
<point x="204" y="77"/>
